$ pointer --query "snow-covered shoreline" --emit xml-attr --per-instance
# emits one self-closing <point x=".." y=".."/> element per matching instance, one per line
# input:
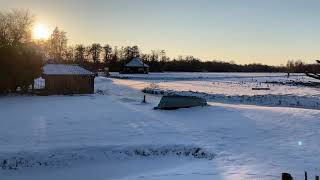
<point x="180" y="76"/>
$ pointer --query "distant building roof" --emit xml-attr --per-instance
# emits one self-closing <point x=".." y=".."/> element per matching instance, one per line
<point x="65" y="69"/>
<point x="136" y="62"/>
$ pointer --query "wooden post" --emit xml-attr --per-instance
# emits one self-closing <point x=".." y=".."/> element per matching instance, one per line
<point x="317" y="177"/>
<point x="305" y="175"/>
<point x="286" y="176"/>
<point x="32" y="85"/>
<point x="144" y="99"/>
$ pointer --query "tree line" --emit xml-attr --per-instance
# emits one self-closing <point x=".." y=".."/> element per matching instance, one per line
<point x="97" y="56"/>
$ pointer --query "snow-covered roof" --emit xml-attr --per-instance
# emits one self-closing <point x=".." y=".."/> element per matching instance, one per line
<point x="136" y="62"/>
<point x="65" y="69"/>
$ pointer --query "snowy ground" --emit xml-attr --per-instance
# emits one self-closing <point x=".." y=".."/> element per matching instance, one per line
<point x="234" y="88"/>
<point x="112" y="135"/>
<point x="222" y="83"/>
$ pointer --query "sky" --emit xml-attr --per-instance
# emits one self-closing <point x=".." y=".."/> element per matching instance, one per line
<point x="244" y="31"/>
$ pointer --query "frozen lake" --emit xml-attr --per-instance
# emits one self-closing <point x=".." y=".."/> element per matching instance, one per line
<point x="235" y="88"/>
<point x="222" y="83"/>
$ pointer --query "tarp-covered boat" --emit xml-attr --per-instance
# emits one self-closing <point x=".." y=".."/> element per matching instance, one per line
<point x="176" y="102"/>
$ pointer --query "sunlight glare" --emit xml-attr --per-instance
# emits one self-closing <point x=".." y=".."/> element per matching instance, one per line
<point x="40" y="32"/>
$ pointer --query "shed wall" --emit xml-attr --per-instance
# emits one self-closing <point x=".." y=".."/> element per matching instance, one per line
<point x="69" y="84"/>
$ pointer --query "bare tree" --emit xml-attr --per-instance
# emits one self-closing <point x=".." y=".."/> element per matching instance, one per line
<point x="57" y="45"/>
<point x="107" y="54"/>
<point x="95" y="51"/>
<point x="314" y="74"/>
<point x="15" y="27"/>
<point x="154" y="56"/>
<point x="87" y="54"/>
<point x="113" y="64"/>
<point x="69" y="54"/>
<point x="20" y="61"/>
<point x="127" y="53"/>
<point x="80" y="51"/>
<point x="135" y="51"/>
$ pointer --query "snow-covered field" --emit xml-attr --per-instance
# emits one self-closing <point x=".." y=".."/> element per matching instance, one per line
<point x="112" y="135"/>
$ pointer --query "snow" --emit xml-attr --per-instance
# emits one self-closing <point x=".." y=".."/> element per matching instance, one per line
<point x="234" y="88"/>
<point x="221" y="83"/>
<point x="136" y="62"/>
<point x="65" y="69"/>
<point x="310" y="102"/>
<point x="205" y="76"/>
<point x="112" y="135"/>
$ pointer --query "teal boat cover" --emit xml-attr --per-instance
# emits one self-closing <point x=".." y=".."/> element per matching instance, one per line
<point x="176" y="102"/>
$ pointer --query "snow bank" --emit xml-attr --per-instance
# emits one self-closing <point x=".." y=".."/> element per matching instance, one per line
<point x="308" y="102"/>
<point x="63" y="157"/>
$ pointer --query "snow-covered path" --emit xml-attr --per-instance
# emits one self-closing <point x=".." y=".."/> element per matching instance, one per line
<point x="249" y="142"/>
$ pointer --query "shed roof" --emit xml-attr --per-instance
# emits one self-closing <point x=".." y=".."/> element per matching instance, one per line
<point x="136" y="62"/>
<point x="65" y="69"/>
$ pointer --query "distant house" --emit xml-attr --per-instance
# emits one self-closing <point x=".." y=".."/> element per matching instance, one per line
<point x="67" y="79"/>
<point x="136" y="66"/>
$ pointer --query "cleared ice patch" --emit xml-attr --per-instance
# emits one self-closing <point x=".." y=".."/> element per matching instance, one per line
<point x="65" y="157"/>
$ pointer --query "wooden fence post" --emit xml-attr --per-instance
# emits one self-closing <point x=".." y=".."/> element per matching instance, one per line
<point x="317" y="177"/>
<point x="305" y="175"/>
<point x="144" y="99"/>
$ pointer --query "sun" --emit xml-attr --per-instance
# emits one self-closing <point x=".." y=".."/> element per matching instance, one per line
<point x="40" y="32"/>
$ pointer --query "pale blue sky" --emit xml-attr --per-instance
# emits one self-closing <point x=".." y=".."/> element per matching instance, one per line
<point x="245" y="31"/>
